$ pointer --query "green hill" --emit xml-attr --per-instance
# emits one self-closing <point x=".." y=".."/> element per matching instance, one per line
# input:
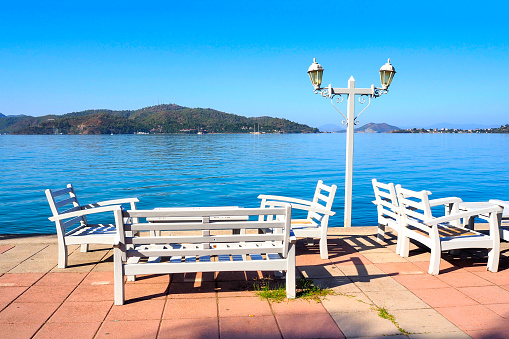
<point x="155" y="119"/>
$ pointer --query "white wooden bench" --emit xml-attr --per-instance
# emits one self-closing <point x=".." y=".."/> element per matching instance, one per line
<point x="202" y="246"/>
<point x="71" y="221"/>
<point x="387" y="207"/>
<point x="319" y="210"/>
<point x="445" y="233"/>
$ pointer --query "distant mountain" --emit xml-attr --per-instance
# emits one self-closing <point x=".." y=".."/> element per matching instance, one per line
<point x="2" y="115"/>
<point x="155" y="119"/>
<point x="460" y="126"/>
<point x="331" y="128"/>
<point x="376" y="128"/>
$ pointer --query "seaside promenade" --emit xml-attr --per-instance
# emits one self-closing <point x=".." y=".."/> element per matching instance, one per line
<point x="38" y="300"/>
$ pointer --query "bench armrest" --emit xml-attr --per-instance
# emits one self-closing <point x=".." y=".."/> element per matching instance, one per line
<point x="461" y="215"/>
<point x="444" y="201"/>
<point x="285" y="199"/>
<point x="504" y="204"/>
<point x="111" y="202"/>
<point x="84" y="212"/>
<point x="302" y="207"/>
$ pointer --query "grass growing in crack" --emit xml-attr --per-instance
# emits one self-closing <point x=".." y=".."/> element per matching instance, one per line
<point x="305" y="290"/>
<point x="382" y="313"/>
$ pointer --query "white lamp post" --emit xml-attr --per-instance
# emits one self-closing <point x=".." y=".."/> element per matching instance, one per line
<point x="315" y="72"/>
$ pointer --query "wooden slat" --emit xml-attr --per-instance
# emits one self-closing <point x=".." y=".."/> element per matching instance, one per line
<point x="213" y="251"/>
<point x="204" y="239"/>
<point x="194" y="226"/>
<point x="70" y="210"/>
<point x="71" y="222"/>
<point x="65" y="202"/>
<point x="203" y="212"/>
<point x="57" y="193"/>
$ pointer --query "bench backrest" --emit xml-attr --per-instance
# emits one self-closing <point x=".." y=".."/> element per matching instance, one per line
<point x="414" y="207"/>
<point x="323" y="198"/>
<point x="65" y="201"/>
<point x="386" y="200"/>
<point x="204" y="237"/>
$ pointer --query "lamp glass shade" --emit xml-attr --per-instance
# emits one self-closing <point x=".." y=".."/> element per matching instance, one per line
<point x="387" y="72"/>
<point x="315" y="72"/>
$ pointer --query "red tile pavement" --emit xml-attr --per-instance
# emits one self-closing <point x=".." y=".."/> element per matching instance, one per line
<point x="243" y="307"/>
<point x="46" y="294"/>
<point x="487" y="294"/>
<point x="197" y="308"/>
<point x="462" y="278"/>
<point x="308" y="326"/>
<point x="192" y="328"/>
<point x="475" y="317"/>
<point x="17" y="331"/>
<point x="81" y="312"/>
<point x="18" y="313"/>
<point x="134" y="329"/>
<point x="141" y="310"/>
<point x="400" y="268"/>
<point x="60" y="279"/>
<point x="10" y="293"/>
<point x="500" y="309"/>
<point x="4" y="249"/>
<point x="444" y="297"/>
<point x="20" y="279"/>
<point x="68" y="330"/>
<point x="249" y="327"/>
<point x="419" y="281"/>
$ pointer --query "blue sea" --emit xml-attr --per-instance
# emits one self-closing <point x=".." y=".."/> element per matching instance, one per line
<point x="233" y="169"/>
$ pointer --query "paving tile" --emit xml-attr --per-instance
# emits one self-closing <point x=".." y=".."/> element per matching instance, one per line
<point x="322" y="271"/>
<point x="33" y="265"/>
<point x="445" y="267"/>
<point x="139" y="310"/>
<point x="500" y="309"/>
<point x="338" y="284"/>
<point x="351" y="302"/>
<point x="487" y="294"/>
<point x="310" y="259"/>
<point x="498" y="278"/>
<point x="396" y="300"/>
<point x="5" y="248"/>
<point x="355" y="324"/>
<point x="204" y="289"/>
<point x="374" y="283"/>
<point x="180" y="308"/>
<point x="249" y="327"/>
<point x="61" y="279"/>
<point x="400" y="268"/>
<point x="19" y="279"/>
<point x="191" y="328"/>
<point x="462" y="278"/>
<point x="419" y="281"/>
<point x="95" y="278"/>
<point x="383" y="257"/>
<point x="226" y="289"/>
<point x="18" y="312"/>
<point x="46" y="294"/>
<point x="475" y="317"/>
<point x="444" y="297"/>
<point x="350" y="259"/>
<point x="361" y="270"/>
<point x="92" y="293"/>
<point x="10" y="293"/>
<point x="151" y="279"/>
<point x="498" y="333"/>
<point x="243" y="307"/>
<point x="137" y="292"/>
<point x="81" y="312"/>
<point x="423" y="320"/>
<point x="68" y="330"/>
<point x="139" y="329"/>
<point x="192" y="277"/>
<point x="19" y="331"/>
<point x="441" y="335"/>
<point x="308" y="325"/>
<point x="298" y="306"/>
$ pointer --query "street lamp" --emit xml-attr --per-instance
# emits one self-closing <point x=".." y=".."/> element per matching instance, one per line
<point x="315" y="72"/>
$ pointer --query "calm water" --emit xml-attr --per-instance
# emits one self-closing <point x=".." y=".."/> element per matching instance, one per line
<point x="226" y="170"/>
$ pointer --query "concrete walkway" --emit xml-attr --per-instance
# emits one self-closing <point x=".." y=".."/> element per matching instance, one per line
<point x="41" y="301"/>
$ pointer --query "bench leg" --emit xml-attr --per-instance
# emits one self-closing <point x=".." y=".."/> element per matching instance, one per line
<point x="84" y="247"/>
<point x="434" y="263"/>
<point x="404" y="248"/>
<point x="290" y="273"/>
<point x="62" y="255"/>
<point x="324" y="252"/>
<point x="380" y="237"/>
<point x="118" y="277"/>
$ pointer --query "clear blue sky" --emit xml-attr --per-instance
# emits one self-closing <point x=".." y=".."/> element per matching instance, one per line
<point x="251" y="58"/>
